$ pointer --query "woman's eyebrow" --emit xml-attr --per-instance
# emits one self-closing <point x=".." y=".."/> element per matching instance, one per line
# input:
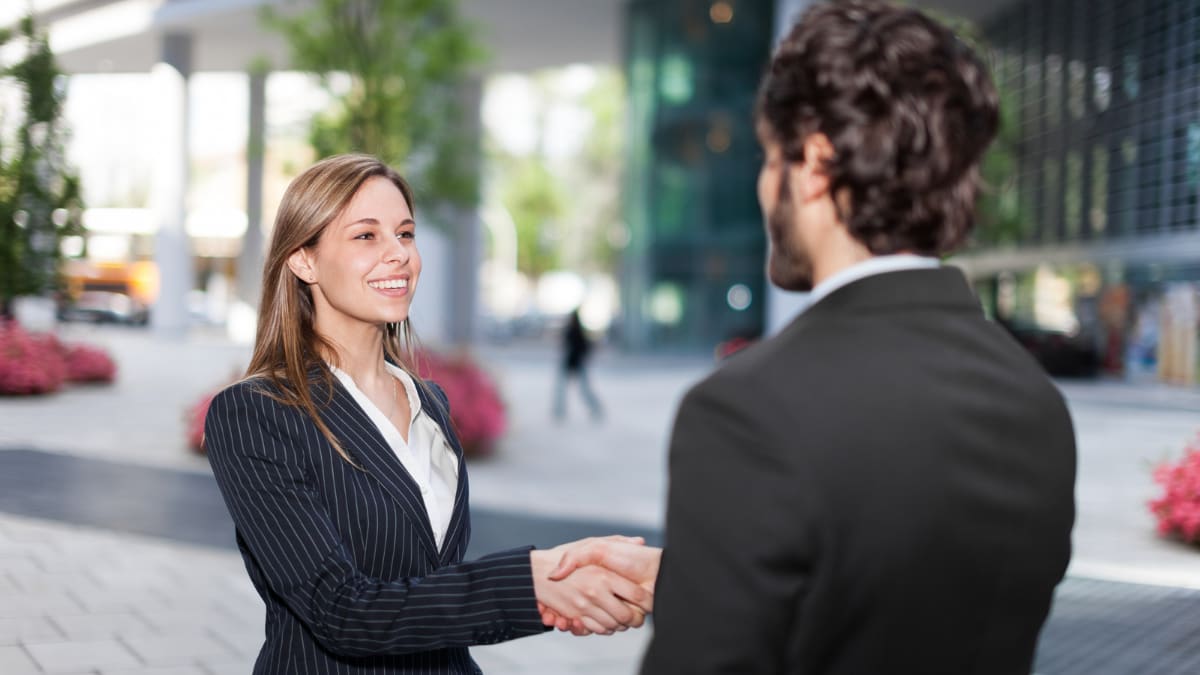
<point x="368" y="220"/>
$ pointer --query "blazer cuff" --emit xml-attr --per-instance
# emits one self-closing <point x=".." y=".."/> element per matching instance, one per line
<point x="522" y="615"/>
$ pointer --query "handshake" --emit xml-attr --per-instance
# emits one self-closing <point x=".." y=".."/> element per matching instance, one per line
<point x="596" y="585"/>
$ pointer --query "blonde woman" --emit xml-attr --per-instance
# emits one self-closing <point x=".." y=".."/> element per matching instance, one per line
<point x="345" y="479"/>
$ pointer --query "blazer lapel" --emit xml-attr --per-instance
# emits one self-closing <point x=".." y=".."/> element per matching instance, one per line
<point x="458" y="533"/>
<point x="362" y="439"/>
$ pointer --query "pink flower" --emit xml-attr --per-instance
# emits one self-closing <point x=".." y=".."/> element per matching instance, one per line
<point x="1178" y="509"/>
<point x="476" y="409"/>
<point x="29" y="363"/>
<point x="194" y="421"/>
<point x="89" y="364"/>
<point x="477" y="412"/>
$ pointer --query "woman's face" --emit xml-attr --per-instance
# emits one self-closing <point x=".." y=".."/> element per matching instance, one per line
<point x="365" y="265"/>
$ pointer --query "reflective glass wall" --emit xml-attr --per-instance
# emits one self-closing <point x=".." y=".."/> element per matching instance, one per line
<point x="1107" y="95"/>
<point x="693" y="271"/>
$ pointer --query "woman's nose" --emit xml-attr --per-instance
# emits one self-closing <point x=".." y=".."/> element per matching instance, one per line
<point x="397" y="251"/>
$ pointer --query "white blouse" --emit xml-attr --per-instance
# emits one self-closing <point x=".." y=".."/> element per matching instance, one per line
<point x="427" y="456"/>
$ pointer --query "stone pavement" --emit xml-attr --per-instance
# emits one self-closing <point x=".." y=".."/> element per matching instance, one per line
<point x="103" y="514"/>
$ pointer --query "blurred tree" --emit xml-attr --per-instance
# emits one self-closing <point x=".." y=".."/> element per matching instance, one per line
<point x="40" y="198"/>
<point x="601" y="169"/>
<point x="407" y="60"/>
<point x="566" y="202"/>
<point x="534" y="197"/>
<point x="998" y="215"/>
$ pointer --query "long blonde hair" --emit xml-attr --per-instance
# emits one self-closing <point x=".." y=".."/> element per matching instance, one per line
<point x="288" y="351"/>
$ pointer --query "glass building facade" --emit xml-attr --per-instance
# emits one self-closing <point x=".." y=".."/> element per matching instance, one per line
<point x="1106" y="98"/>
<point x="693" y="270"/>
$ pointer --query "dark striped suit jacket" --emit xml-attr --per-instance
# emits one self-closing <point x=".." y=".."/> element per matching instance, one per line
<point x="344" y="557"/>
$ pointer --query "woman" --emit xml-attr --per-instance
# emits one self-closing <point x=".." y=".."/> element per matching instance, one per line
<point x="343" y="474"/>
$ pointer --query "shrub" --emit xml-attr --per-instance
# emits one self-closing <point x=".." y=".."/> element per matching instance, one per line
<point x="1178" y="509"/>
<point x="476" y="410"/>
<point x="29" y="363"/>
<point x="89" y="364"/>
<point x="194" y="422"/>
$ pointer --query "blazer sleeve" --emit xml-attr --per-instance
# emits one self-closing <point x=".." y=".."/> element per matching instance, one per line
<point x="736" y="547"/>
<point x="256" y="447"/>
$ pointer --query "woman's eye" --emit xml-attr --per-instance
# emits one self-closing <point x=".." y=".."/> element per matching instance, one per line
<point x="364" y="235"/>
<point x="407" y="235"/>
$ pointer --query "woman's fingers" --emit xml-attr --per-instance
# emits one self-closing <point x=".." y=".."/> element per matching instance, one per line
<point x="592" y="599"/>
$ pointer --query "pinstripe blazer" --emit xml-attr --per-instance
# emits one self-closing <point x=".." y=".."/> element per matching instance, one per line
<point x="344" y="557"/>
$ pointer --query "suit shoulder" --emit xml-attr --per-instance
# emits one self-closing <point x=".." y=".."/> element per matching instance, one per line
<point x="246" y="392"/>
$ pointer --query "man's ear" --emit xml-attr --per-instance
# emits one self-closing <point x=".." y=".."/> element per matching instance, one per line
<point x="809" y="178"/>
<point x="301" y="264"/>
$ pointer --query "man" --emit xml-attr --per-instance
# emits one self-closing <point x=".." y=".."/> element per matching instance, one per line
<point x="885" y="486"/>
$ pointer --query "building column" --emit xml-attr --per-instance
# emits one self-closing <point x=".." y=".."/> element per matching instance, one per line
<point x="467" y="249"/>
<point x="250" y="262"/>
<point x="783" y="306"/>
<point x="172" y="248"/>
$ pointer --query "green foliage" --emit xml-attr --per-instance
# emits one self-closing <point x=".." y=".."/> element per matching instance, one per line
<point x="40" y="197"/>
<point x="565" y="208"/>
<point x="999" y="218"/>
<point x="536" y="201"/>
<point x="407" y="60"/>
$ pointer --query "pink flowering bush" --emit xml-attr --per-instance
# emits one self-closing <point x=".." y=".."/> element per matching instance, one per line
<point x="1178" y="509"/>
<point x="194" y="422"/>
<point x="89" y="364"/>
<point x="476" y="410"/>
<point x="39" y="363"/>
<point x="29" y="363"/>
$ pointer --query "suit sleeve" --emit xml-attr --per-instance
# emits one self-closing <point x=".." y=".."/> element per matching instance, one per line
<point x="736" y="546"/>
<point x="253" y="443"/>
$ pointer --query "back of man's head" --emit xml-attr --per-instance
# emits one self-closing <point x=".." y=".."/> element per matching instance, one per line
<point x="908" y="108"/>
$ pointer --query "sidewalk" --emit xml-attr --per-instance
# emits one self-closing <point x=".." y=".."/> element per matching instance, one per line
<point x="76" y="599"/>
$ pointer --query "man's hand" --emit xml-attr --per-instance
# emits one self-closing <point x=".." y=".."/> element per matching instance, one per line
<point x="625" y="556"/>
<point x="591" y="600"/>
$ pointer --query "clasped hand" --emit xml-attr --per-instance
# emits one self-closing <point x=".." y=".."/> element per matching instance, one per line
<point x="596" y="585"/>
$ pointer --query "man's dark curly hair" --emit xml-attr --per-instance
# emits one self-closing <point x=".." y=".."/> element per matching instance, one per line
<point x="908" y="108"/>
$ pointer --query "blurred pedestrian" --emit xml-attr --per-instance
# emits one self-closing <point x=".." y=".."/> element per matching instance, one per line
<point x="576" y="348"/>
<point x="886" y="486"/>
<point x="345" y="480"/>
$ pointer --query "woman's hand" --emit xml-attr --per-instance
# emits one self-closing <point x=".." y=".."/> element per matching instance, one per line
<point x="590" y="600"/>
<point x="627" y="557"/>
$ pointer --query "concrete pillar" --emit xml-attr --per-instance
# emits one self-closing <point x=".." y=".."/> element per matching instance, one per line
<point x="250" y="262"/>
<point x="783" y="306"/>
<point x="467" y="249"/>
<point x="172" y="248"/>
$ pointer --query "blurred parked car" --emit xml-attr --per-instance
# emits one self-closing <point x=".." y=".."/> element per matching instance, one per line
<point x="1061" y="353"/>
<point x="104" y="307"/>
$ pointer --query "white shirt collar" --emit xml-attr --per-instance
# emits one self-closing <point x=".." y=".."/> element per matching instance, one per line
<point x="426" y="456"/>
<point x="871" y="266"/>
<point x="410" y="387"/>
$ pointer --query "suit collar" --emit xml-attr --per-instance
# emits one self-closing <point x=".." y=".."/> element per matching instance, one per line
<point x="942" y="288"/>
<point x="879" y="264"/>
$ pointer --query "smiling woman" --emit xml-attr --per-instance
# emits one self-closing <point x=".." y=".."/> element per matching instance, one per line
<point x="345" y="479"/>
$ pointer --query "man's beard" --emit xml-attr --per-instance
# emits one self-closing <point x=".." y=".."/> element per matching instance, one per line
<point x="789" y="265"/>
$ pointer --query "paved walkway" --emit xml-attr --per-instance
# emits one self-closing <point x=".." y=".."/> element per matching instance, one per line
<point x="103" y="514"/>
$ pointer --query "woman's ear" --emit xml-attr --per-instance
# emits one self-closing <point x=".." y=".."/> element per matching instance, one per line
<point x="300" y="263"/>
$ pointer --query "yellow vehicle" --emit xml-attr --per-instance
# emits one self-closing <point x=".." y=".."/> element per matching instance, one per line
<point x="108" y="292"/>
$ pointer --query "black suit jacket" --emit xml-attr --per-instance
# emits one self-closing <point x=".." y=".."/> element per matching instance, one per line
<point x="884" y="487"/>
<point x="344" y="557"/>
